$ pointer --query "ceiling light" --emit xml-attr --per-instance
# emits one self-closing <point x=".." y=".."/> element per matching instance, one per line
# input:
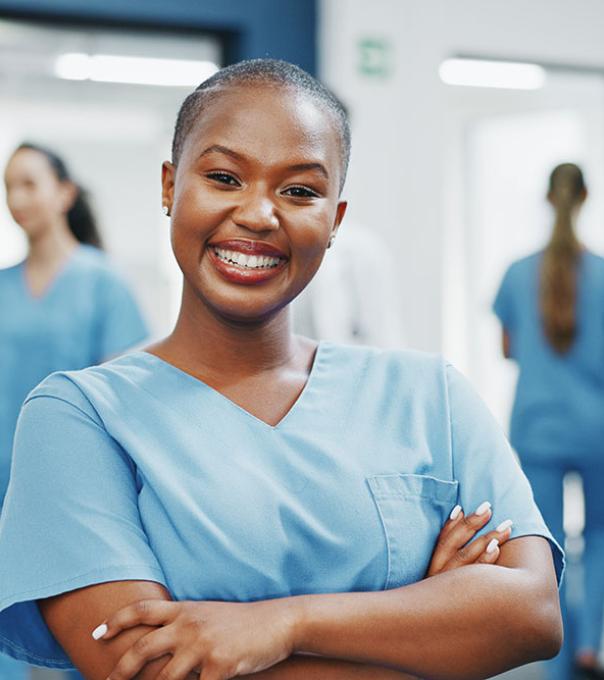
<point x="485" y="73"/>
<point x="109" y="68"/>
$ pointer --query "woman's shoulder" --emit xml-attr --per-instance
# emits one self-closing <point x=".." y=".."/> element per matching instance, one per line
<point x="525" y="264"/>
<point x="594" y="259"/>
<point x="90" y="260"/>
<point x="11" y="287"/>
<point x="7" y="273"/>
<point x="375" y="353"/>
<point x="410" y="365"/>
<point x="103" y="382"/>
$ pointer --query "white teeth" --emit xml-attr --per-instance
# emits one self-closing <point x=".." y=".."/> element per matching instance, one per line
<point x="248" y="261"/>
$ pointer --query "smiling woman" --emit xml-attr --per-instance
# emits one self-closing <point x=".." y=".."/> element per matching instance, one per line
<point x="238" y="501"/>
<point x="259" y="185"/>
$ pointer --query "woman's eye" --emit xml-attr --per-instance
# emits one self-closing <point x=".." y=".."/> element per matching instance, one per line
<point x="223" y="178"/>
<point x="301" y="192"/>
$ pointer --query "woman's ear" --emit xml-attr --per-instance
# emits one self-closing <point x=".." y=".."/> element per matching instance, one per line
<point x="167" y="184"/>
<point x="340" y="212"/>
<point x="68" y="195"/>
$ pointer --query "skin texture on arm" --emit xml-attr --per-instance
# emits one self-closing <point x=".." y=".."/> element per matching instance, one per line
<point x="249" y="639"/>
<point x="73" y="616"/>
<point x="454" y="549"/>
<point x="467" y="623"/>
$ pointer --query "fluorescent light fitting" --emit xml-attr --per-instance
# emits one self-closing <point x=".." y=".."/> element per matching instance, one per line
<point x="485" y="73"/>
<point x="73" y="66"/>
<point x="109" y="68"/>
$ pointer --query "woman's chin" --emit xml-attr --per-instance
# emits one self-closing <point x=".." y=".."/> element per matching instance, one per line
<point x="241" y="309"/>
<point x="250" y="316"/>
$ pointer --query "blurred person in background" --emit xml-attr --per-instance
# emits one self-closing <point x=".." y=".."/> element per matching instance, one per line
<point x="64" y="307"/>
<point x="353" y="297"/>
<point x="551" y="306"/>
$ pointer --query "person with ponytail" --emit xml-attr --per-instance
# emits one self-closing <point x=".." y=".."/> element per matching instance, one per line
<point x="64" y="307"/>
<point x="551" y="306"/>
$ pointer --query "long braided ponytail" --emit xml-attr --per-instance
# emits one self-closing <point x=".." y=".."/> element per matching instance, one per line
<point x="558" y="285"/>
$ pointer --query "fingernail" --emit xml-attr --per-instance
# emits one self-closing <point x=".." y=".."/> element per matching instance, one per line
<point x="99" y="631"/>
<point x="455" y="512"/>
<point x="493" y="545"/>
<point x="482" y="508"/>
<point x="504" y="525"/>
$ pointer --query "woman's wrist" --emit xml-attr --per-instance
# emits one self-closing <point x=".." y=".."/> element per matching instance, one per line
<point x="296" y="621"/>
<point x="312" y="617"/>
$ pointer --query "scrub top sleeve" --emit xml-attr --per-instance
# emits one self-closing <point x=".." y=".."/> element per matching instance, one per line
<point x="503" y="304"/>
<point x="70" y="518"/>
<point x="120" y="323"/>
<point x="486" y="468"/>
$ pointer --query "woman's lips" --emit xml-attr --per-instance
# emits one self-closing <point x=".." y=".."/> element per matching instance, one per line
<point x="249" y="247"/>
<point x="237" y="273"/>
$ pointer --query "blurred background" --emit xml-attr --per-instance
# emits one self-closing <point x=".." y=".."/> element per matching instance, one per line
<point x="450" y="158"/>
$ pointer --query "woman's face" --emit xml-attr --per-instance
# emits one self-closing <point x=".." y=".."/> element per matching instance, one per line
<point x="35" y="196"/>
<point x="254" y="199"/>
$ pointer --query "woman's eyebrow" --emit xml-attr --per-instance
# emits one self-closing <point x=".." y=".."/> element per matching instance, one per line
<point x="297" y="167"/>
<point x="218" y="148"/>
<point x="300" y="167"/>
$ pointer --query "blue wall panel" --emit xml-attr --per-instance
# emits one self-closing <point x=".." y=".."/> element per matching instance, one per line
<point x="284" y="29"/>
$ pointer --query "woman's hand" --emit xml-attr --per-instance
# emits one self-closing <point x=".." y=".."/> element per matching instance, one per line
<point x="219" y="640"/>
<point x="453" y="548"/>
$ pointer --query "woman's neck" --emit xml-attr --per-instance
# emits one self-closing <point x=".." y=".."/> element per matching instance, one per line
<point x="206" y="345"/>
<point x="52" y="247"/>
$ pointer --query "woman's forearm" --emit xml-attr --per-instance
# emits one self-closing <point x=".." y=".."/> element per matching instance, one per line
<point x="301" y="667"/>
<point x="473" y="622"/>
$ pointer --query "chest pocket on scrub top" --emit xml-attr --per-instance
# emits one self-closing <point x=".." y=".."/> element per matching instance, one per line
<point x="413" y="509"/>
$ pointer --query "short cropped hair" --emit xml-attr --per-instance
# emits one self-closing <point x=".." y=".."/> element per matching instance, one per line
<point x="262" y="72"/>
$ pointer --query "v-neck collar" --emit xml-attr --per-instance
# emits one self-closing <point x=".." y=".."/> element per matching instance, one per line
<point x="53" y="282"/>
<point x="312" y="378"/>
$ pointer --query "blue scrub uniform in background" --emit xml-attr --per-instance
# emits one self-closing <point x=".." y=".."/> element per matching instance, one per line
<point x="557" y="421"/>
<point x="137" y="470"/>
<point x="86" y="315"/>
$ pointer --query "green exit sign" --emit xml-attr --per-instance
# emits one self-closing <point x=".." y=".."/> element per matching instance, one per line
<point x="375" y="57"/>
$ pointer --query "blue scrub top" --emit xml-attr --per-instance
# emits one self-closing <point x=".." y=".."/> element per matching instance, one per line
<point x="137" y="470"/>
<point x="85" y="316"/>
<point x="559" y="404"/>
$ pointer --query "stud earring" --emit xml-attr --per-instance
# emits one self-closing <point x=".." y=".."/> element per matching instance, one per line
<point x="332" y="238"/>
<point x="165" y="210"/>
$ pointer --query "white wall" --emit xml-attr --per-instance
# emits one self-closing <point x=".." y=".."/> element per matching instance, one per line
<point x="397" y="175"/>
<point x="394" y="182"/>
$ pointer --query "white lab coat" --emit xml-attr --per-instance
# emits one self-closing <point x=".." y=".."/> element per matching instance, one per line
<point x="353" y="297"/>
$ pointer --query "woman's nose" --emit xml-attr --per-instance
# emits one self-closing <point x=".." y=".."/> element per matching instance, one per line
<point x="256" y="211"/>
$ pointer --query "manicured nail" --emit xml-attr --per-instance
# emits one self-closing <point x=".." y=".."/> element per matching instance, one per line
<point x="504" y="525"/>
<point x="493" y="545"/>
<point x="99" y="631"/>
<point x="455" y="512"/>
<point x="482" y="508"/>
